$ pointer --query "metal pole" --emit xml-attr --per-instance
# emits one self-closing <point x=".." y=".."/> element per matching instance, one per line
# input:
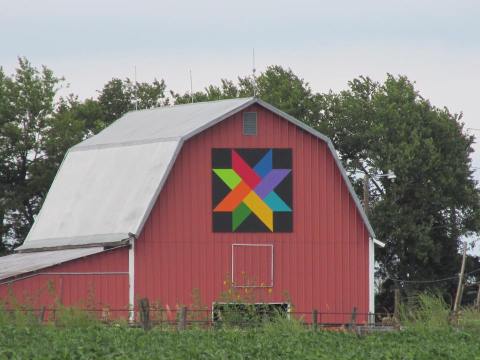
<point x="136" y="98"/>
<point x="191" y="85"/>
<point x="253" y="74"/>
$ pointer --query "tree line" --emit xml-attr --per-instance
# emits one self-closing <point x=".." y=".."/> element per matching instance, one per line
<point x="376" y="127"/>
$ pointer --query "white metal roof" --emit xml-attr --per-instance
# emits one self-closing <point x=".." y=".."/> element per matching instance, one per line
<point x="22" y="263"/>
<point x="164" y="123"/>
<point x="107" y="185"/>
<point x="100" y="195"/>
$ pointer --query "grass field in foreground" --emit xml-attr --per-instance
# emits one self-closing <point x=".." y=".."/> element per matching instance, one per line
<point x="273" y="342"/>
<point x="427" y="334"/>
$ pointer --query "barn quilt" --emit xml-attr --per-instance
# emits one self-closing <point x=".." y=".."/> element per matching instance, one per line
<point x="252" y="190"/>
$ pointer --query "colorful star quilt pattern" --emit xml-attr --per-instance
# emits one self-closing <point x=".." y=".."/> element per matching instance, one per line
<point x="252" y="190"/>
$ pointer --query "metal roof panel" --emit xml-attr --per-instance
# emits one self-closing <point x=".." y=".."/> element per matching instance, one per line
<point x="22" y="263"/>
<point x="101" y="195"/>
<point x="164" y="123"/>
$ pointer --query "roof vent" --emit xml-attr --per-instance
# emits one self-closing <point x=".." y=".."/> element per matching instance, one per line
<point x="249" y="123"/>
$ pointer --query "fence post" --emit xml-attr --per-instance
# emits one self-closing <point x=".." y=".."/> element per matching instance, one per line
<point x="182" y="320"/>
<point x="315" y="319"/>
<point x="477" y="300"/>
<point x="353" y="322"/>
<point x="41" y="315"/>
<point x="145" y="313"/>
<point x="396" y="305"/>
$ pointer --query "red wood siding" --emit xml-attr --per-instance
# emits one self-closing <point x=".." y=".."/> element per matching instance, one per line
<point x="322" y="264"/>
<point x="252" y="265"/>
<point x="75" y="285"/>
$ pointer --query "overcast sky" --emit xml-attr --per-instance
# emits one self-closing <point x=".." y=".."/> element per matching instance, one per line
<point x="435" y="43"/>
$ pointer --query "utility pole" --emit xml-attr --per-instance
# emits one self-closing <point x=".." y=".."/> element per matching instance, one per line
<point x="458" y="297"/>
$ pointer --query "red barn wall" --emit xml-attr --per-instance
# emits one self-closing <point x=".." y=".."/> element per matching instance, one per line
<point x="82" y="282"/>
<point x="322" y="264"/>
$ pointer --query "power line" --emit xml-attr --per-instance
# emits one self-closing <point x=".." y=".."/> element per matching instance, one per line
<point x="423" y="281"/>
<point x="454" y="277"/>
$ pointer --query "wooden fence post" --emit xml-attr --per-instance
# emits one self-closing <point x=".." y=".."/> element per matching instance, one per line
<point x="182" y="319"/>
<point x="41" y="315"/>
<point x="315" y="319"/>
<point x="353" y="322"/>
<point x="477" y="300"/>
<point x="396" y="305"/>
<point x="145" y="313"/>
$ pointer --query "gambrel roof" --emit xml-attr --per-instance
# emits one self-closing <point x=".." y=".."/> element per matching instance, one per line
<point x="108" y="184"/>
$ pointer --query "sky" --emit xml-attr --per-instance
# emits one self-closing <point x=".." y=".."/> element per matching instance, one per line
<point x="434" y="43"/>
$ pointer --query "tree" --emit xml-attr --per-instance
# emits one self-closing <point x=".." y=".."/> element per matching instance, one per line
<point x="36" y="131"/>
<point x="434" y="200"/>
<point x="286" y="91"/>
<point x="26" y="107"/>
<point x="227" y="90"/>
<point x="120" y="96"/>
<point x="276" y="85"/>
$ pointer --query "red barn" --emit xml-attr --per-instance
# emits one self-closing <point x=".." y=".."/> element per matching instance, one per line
<point x="201" y="198"/>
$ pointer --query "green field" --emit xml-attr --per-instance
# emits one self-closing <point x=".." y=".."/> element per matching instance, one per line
<point x="276" y="342"/>
<point x="124" y="343"/>
<point x="428" y="332"/>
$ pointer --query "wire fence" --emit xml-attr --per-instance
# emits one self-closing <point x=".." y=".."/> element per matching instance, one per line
<point x="182" y="318"/>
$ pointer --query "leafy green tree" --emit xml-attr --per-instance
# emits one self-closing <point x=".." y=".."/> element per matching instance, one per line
<point x="434" y="200"/>
<point x="120" y="96"/>
<point x="286" y="91"/>
<point x="26" y="108"/>
<point x="227" y="90"/>
<point x="276" y="85"/>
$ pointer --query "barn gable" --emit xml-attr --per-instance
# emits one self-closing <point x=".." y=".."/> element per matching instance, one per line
<point x="322" y="261"/>
<point x="107" y="185"/>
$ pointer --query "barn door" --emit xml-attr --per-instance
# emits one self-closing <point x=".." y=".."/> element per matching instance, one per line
<point x="252" y="265"/>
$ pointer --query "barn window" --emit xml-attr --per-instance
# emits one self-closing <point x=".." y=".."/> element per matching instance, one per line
<point x="249" y="123"/>
<point x="252" y="265"/>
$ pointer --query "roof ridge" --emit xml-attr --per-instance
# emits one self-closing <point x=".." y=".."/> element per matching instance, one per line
<point x="164" y="107"/>
<point x="79" y="147"/>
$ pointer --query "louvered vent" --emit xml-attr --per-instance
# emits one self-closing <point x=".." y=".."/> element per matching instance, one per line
<point x="249" y="123"/>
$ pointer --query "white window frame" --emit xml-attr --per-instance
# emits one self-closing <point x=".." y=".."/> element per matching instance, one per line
<point x="271" y="270"/>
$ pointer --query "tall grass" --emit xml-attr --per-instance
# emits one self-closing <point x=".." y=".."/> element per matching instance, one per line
<point x="430" y="311"/>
